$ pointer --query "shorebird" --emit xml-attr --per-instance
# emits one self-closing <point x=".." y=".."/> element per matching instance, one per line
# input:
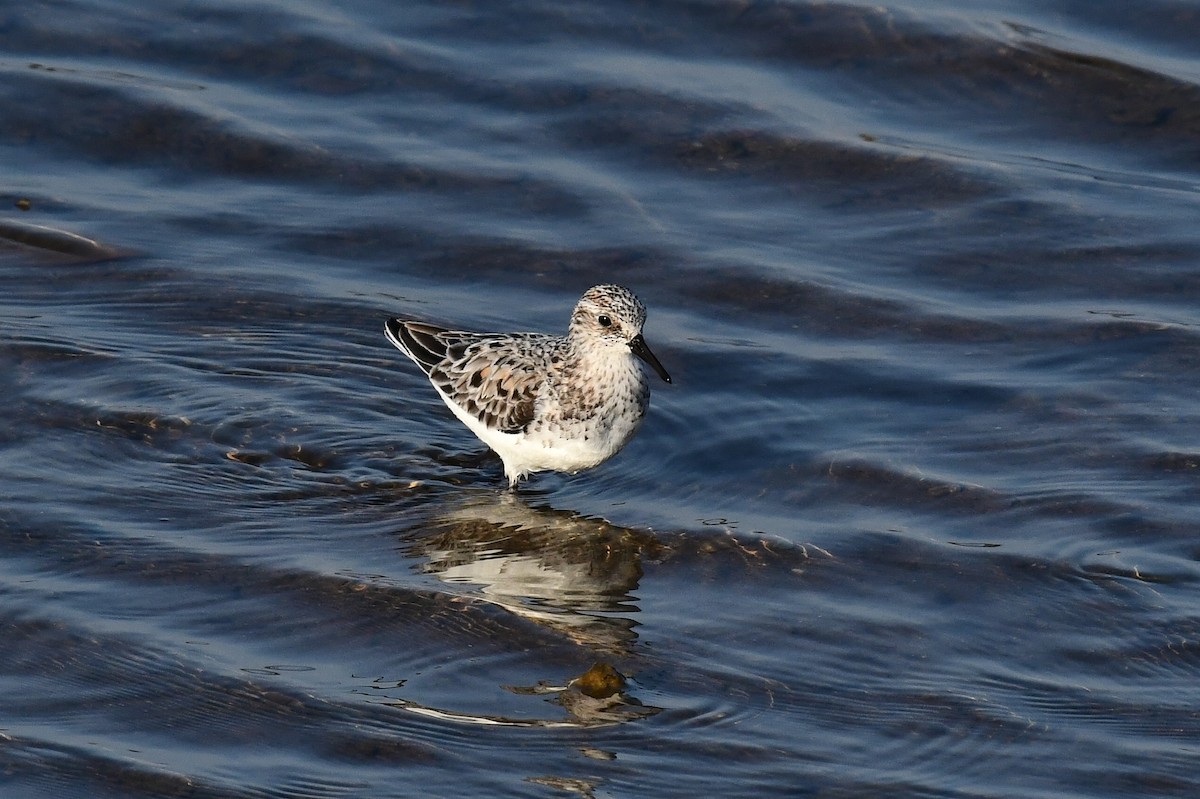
<point x="542" y="402"/>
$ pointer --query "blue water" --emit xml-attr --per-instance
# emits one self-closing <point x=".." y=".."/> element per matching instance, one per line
<point x="917" y="517"/>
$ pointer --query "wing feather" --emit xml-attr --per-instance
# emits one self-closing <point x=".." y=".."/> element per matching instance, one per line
<point x="495" y="378"/>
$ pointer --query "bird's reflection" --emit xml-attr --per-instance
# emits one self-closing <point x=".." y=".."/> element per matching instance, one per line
<point x="572" y="573"/>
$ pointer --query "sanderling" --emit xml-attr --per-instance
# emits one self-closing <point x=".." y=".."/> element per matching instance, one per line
<point x="544" y="402"/>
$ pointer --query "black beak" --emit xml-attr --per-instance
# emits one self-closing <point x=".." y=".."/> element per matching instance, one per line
<point x="638" y="345"/>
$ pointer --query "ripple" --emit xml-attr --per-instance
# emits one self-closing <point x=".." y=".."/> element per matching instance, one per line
<point x="53" y="240"/>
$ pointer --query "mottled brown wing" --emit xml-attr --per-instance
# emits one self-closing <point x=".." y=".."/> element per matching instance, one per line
<point x="495" y="378"/>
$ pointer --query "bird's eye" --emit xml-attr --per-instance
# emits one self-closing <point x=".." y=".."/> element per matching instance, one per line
<point x="604" y="320"/>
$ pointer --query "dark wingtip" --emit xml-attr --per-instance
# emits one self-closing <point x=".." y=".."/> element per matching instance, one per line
<point x="417" y="340"/>
<point x="393" y="331"/>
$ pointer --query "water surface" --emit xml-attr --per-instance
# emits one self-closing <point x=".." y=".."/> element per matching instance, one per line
<point x="917" y="517"/>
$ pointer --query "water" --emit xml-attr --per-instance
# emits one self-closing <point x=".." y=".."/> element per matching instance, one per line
<point x="916" y="519"/>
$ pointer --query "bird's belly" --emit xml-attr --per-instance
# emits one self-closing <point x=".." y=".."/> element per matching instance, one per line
<point x="557" y="443"/>
<point x="565" y="447"/>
